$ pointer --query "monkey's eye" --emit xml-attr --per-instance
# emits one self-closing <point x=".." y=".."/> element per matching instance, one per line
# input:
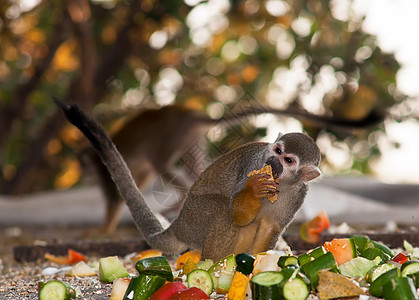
<point x="278" y="150"/>
<point x="288" y="160"/>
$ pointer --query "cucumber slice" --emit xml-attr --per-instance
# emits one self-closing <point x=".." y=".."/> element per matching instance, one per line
<point x="415" y="279"/>
<point x="374" y="272"/>
<point x="294" y="289"/>
<point x="290" y="271"/>
<point x="409" y="267"/>
<point x="376" y="287"/>
<point x="201" y="279"/>
<point x="312" y="268"/>
<point x="143" y="286"/>
<point x="156" y="266"/>
<point x="372" y="253"/>
<point x="401" y="288"/>
<point x="303" y="259"/>
<point x="224" y="281"/>
<point x="244" y="263"/>
<point x="311" y="255"/>
<point x="360" y="242"/>
<point x="205" y="264"/>
<point x="111" y="268"/>
<point x="286" y="260"/>
<point x="293" y="271"/>
<point x="317" y="252"/>
<point x="266" y="285"/>
<point x="383" y="248"/>
<point x="58" y="290"/>
<point x="227" y="263"/>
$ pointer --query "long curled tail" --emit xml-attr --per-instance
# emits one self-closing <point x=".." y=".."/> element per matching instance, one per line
<point x="143" y="217"/>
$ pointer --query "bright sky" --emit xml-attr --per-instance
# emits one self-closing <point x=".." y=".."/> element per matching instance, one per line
<point x="395" y="23"/>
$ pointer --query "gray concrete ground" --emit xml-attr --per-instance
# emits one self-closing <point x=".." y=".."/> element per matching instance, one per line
<point x="350" y="200"/>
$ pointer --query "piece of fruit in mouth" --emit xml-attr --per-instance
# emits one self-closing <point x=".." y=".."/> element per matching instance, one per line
<point x="267" y="169"/>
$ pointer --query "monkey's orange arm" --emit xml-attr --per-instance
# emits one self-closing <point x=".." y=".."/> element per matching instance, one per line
<point x="247" y="202"/>
<point x="245" y="208"/>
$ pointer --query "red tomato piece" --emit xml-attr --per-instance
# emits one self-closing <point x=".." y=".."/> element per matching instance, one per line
<point x="74" y="257"/>
<point x="310" y="231"/>
<point x="343" y="249"/>
<point x="400" y="258"/>
<point x="168" y="290"/>
<point x="190" y="294"/>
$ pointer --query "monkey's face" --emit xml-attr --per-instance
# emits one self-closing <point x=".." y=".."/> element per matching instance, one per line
<point x="284" y="165"/>
<point x="294" y="157"/>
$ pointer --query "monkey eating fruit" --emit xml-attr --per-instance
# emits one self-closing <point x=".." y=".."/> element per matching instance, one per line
<point x="225" y="211"/>
<point x="266" y="170"/>
<point x="139" y="142"/>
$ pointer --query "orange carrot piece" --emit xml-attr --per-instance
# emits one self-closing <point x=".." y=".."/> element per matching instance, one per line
<point x="194" y="255"/>
<point x="238" y="286"/>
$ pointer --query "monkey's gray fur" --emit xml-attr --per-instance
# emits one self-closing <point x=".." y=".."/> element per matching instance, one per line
<point x="205" y="221"/>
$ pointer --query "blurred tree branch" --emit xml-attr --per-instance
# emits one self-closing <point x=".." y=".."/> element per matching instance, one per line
<point x="205" y="55"/>
<point x="12" y="110"/>
<point x="85" y="88"/>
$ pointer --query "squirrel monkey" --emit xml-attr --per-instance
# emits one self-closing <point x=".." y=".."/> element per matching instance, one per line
<point x="147" y="154"/>
<point x="225" y="211"/>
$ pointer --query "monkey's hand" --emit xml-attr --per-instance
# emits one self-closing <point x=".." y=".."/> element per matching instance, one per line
<point x="247" y="202"/>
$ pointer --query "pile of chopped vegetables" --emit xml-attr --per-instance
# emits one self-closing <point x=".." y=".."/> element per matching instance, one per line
<point x="346" y="267"/>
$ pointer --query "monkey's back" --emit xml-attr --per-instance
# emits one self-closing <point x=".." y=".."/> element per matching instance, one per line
<point x="207" y="205"/>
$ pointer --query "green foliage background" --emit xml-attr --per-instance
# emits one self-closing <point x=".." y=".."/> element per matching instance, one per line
<point x="115" y="57"/>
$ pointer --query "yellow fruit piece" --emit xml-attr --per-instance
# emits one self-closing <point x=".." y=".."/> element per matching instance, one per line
<point x="81" y="269"/>
<point x="189" y="266"/>
<point x="194" y="255"/>
<point x="119" y="287"/>
<point x="238" y="287"/>
<point x="145" y="254"/>
<point x="333" y="285"/>
<point x="265" y="170"/>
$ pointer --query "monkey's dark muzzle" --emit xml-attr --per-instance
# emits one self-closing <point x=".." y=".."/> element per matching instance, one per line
<point x="275" y="165"/>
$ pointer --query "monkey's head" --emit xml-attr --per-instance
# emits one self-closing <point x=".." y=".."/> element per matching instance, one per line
<point x="294" y="157"/>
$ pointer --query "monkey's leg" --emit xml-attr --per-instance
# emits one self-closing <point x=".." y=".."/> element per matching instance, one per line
<point x="245" y="238"/>
<point x="142" y="176"/>
<point x="266" y="235"/>
<point x="181" y="188"/>
<point x="219" y="240"/>
<point x="112" y="198"/>
<point x="113" y="215"/>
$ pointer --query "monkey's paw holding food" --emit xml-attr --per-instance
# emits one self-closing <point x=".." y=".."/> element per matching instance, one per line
<point x="266" y="170"/>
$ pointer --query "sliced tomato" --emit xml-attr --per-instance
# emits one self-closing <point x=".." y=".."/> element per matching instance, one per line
<point x="189" y="294"/>
<point x="310" y="231"/>
<point x="168" y="290"/>
<point x="74" y="257"/>
<point x="400" y="258"/>
<point x="342" y="249"/>
<point x="71" y="258"/>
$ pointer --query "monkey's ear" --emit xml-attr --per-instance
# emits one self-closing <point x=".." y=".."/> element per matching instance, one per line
<point x="279" y="137"/>
<point x="309" y="173"/>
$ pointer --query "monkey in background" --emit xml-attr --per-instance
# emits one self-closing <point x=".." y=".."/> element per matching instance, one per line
<point x="225" y="211"/>
<point x="152" y="142"/>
